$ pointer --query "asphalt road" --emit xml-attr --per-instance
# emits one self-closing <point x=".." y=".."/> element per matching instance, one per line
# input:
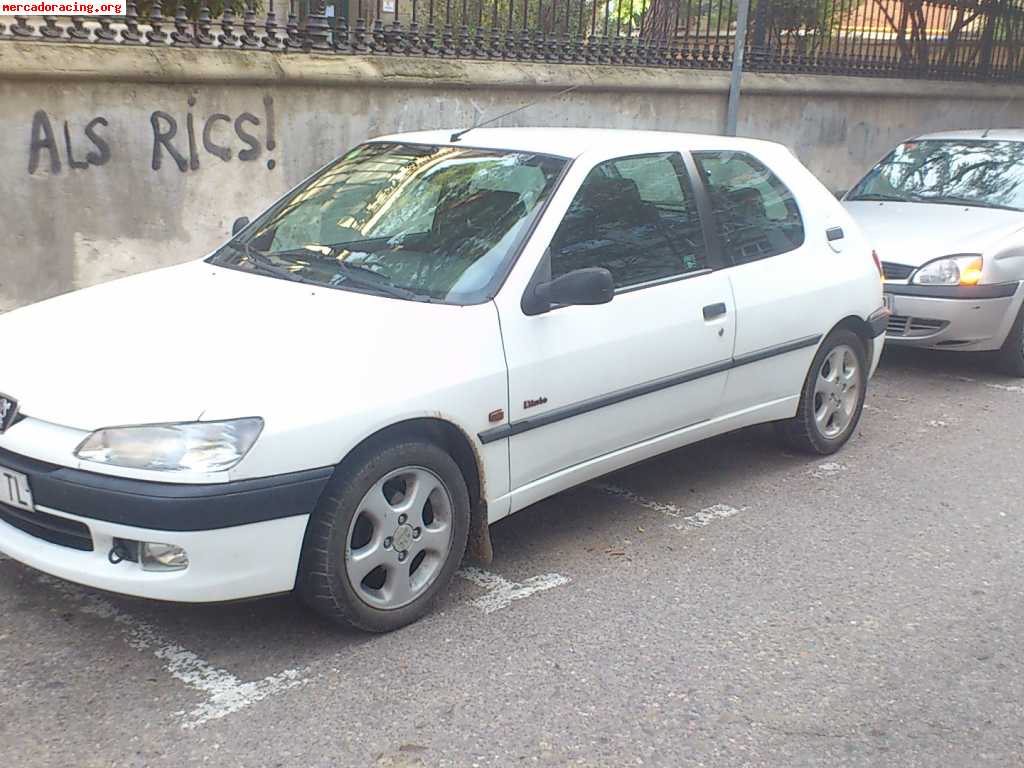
<point x="723" y="605"/>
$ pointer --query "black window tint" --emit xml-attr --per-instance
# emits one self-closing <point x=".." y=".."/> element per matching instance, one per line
<point x="634" y="216"/>
<point x="756" y="215"/>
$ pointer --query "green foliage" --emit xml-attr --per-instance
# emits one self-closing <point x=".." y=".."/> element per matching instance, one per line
<point x="719" y="16"/>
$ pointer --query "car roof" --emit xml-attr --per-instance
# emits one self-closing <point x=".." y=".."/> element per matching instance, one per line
<point x="573" y="142"/>
<point x="995" y="134"/>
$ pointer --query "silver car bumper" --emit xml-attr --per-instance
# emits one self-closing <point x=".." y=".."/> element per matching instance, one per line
<point x="968" y="318"/>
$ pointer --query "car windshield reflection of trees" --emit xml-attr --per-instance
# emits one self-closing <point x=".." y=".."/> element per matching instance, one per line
<point x="406" y="220"/>
<point x="983" y="173"/>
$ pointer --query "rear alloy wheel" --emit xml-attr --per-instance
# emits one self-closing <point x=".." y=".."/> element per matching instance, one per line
<point x="387" y="540"/>
<point x="832" y="398"/>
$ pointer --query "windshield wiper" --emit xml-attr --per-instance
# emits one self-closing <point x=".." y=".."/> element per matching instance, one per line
<point x="882" y="197"/>
<point x="329" y="251"/>
<point x="968" y="201"/>
<point x="353" y="273"/>
<point x="265" y="265"/>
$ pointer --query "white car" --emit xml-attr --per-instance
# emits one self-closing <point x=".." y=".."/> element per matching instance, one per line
<point x="946" y="213"/>
<point x="425" y="336"/>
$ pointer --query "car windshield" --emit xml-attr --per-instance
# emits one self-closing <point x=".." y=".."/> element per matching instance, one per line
<point x="988" y="174"/>
<point x="404" y="220"/>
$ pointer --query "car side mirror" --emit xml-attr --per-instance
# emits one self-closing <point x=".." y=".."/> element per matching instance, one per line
<point x="240" y="223"/>
<point x="592" y="285"/>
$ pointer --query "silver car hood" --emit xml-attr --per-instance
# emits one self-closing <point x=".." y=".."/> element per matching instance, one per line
<point x="915" y="233"/>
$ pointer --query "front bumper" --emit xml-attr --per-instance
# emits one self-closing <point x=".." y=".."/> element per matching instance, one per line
<point x="243" y="538"/>
<point x="966" y="318"/>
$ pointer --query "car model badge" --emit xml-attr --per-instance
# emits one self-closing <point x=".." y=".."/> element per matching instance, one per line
<point x="8" y="412"/>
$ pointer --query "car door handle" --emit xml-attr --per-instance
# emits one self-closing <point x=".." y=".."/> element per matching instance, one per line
<point x="711" y="311"/>
<point x="834" y="233"/>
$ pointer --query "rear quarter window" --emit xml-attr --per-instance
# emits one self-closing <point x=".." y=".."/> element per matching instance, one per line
<point x="756" y="214"/>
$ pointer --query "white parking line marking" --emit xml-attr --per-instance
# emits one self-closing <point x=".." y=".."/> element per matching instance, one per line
<point x="1006" y="387"/>
<point x="225" y="693"/>
<point x="880" y="411"/>
<point x="700" y="519"/>
<point x="501" y="592"/>
<point x="828" y="469"/>
<point x="613" y="490"/>
<point x="706" y="516"/>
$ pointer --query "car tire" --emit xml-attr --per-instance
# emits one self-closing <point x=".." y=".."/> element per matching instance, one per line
<point x="1011" y="355"/>
<point x="832" y="397"/>
<point x="400" y="513"/>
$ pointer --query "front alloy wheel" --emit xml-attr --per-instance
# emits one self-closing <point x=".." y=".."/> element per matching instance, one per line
<point x="399" y="538"/>
<point x="387" y="536"/>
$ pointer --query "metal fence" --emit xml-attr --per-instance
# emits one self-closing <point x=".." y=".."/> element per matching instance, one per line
<point x="955" y="40"/>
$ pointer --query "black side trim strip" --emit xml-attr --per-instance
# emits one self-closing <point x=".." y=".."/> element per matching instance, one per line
<point x="601" y="401"/>
<point x="778" y="349"/>
<point x="966" y="292"/>
<point x="639" y="390"/>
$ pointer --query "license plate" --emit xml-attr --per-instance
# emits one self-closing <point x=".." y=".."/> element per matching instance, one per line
<point x="887" y="301"/>
<point x="14" y="490"/>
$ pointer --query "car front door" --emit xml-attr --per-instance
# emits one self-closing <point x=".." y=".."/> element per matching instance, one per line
<point x="588" y="381"/>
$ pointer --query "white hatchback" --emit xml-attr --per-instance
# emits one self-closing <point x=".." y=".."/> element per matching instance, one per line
<point x="425" y="336"/>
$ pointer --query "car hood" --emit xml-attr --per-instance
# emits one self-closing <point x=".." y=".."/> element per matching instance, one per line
<point x="202" y="342"/>
<point x="915" y="233"/>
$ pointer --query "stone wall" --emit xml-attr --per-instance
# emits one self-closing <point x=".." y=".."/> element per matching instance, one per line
<point x="121" y="159"/>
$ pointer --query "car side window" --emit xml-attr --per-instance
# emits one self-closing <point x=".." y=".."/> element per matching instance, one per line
<point x="634" y="216"/>
<point x="756" y="214"/>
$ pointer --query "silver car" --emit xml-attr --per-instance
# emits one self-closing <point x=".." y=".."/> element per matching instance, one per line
<point x="945" y="213"/>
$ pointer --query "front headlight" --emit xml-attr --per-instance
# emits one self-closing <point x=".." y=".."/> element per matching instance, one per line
<point x="964" y="269"/>
<point x="201" y="446"/>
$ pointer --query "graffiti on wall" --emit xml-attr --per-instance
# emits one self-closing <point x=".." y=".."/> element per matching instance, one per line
<point x="183" y="142"/>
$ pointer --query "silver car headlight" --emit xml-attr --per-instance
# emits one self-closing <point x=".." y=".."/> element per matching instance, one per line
<point x="201" y="446"/>
<point x="963" y="269"/>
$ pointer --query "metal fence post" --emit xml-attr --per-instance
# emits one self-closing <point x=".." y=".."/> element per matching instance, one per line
<point x="739" y="46"/>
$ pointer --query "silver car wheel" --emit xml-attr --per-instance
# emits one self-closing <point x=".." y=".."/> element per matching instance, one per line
<point x="399" y="538"/>
<point x="836" y="391"/>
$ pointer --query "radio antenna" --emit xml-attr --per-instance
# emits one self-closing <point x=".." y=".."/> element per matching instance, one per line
<point x="1002" y="112"/>
<point x="459" y="134"/>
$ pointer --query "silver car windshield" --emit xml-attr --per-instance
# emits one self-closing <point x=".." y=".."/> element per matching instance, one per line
<point x="988" y="174"/>
<point x="404" y="220"/>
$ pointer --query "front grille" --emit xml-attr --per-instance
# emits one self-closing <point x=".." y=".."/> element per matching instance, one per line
<point x="901" y="325"/>
<point x="56" y="530"/>
<point x="896" y="271"/>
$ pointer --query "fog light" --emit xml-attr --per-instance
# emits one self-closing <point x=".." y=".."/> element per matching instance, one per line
<point x="163" y="557"/>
